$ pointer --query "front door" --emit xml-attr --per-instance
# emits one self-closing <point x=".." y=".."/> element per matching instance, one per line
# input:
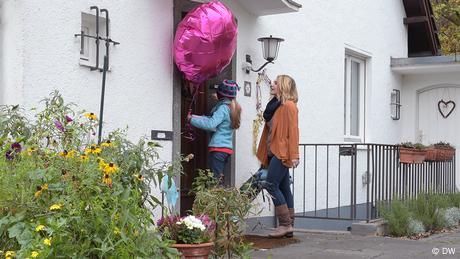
<point x="202" y="106"/>
<point x="439" y="117"/>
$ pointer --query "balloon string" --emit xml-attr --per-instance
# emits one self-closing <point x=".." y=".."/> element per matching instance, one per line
<point x="189" y="130"/>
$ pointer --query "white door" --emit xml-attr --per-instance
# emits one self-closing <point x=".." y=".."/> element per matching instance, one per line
<point x="439" y="118"/>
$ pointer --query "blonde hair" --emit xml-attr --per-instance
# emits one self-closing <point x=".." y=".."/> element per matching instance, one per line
<point x="287" y="90"/>
<point x="235" y="114"/>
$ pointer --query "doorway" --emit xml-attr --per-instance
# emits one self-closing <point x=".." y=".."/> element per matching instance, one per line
<point x="182" y="95"/>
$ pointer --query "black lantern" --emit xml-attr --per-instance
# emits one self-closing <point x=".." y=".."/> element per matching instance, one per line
<point x="270" y="47"/>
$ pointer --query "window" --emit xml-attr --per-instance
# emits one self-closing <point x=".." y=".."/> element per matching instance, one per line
<point x="354" y="96"/>
<point x="88" y="46"/>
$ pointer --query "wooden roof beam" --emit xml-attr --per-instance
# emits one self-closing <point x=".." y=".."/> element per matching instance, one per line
<point x="415" y="19"/>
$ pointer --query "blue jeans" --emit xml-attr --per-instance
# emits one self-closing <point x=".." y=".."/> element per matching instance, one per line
<point x="279" y="183"/>
<point x="217" y="162"/>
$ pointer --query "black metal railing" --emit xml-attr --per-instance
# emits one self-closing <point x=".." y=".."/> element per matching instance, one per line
<point x="348" y="181"/>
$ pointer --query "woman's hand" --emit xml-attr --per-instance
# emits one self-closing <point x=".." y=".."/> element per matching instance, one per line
<point x="295" y="162"/>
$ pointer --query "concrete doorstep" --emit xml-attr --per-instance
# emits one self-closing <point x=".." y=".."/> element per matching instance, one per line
<point x="377" y="227"/>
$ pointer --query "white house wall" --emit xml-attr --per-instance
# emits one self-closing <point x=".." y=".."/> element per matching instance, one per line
<point x="12" y="52"/>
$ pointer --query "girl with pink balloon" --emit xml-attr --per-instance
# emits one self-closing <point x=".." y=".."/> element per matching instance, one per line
<point x="224" y="120"/>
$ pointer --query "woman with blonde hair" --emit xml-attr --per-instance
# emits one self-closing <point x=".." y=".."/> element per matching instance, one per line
<point x="279" y="150"/>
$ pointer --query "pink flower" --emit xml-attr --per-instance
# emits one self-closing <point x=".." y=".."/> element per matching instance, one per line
<point x="58" y="125"/>
<point x="68" y="119"/>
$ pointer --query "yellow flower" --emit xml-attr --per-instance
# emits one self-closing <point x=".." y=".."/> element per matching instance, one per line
<point x="90" y="116"/>
<point x="38" y="193"/>
<point x="10" y="253"/>
<point x="39" y="228"/>
<point x="107" y="143"/>
<point x="106" y="179"/>
<point x="47" y="241"/>
<point x="66" y="153"/>
<point x="84" y="158"/>
<point x="63" y="153"/>
<point x="102" y="164"/>
<point x="56" y="206"/>
<point x="93" y="149"/>
<point x="31" y="150"/>
<point x="116" y="231"/>
<point x="40" y="189"/>
<point x="110" y="168"/>
<point x="71" y="153"/>
<point x="34" y="254"/>
<point x="139" y="177"/>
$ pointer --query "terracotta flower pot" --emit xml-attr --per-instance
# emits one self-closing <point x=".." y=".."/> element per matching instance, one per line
<point x="195" y="251"/>
<point x="448" y="154"/>
<point x="432" y="154"/>
<point x="411" y="155"/>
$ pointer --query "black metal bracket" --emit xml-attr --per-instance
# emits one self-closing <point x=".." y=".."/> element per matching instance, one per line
<point x="98" y="38"/>
<point x="249" y="68"/>
<point x="108" y="41"/>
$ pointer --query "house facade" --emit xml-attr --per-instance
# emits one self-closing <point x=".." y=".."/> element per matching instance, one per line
<point x="339" y="52"/>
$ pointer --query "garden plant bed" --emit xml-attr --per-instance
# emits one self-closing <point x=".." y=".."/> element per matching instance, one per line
<point x="428" y="234"/>
<point x="263" y="242"/>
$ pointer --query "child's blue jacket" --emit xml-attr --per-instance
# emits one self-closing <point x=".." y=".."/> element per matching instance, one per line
<point x="219" y="123"/>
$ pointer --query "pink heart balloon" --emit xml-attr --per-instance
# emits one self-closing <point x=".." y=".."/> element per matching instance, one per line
<point x="205" y="41"/>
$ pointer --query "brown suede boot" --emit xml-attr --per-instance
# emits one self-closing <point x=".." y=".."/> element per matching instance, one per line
<point x="285" y="225"/>
<point x="291" y="215"/>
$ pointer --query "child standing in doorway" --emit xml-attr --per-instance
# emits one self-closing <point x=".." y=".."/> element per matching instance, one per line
<point x="224" y="120"/>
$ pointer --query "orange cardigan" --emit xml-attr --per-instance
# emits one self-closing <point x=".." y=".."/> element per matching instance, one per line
<point x="284" y="137"/>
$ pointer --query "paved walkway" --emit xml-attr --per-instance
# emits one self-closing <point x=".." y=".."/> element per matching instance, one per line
<point x="346" y="246"/>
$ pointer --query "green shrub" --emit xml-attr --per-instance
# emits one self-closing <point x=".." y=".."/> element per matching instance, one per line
<point x="415" y="227"/>
<point x="228" y="207"/>
<point x="426" y="208"/>
<point x="432" y="211"/>
<point x="398" y="216"/>
<point x="61" y="195"/>
<point x="451" y="217"/>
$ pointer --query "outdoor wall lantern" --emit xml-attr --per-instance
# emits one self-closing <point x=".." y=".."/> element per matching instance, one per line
<point x="395" y="104"/>
<point x="270" y="47"/>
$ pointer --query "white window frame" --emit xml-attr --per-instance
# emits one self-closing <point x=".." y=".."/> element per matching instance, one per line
<point x="88" y="45"/>
<point x="348" y="136"/>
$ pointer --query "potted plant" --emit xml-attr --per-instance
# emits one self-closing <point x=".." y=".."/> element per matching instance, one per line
<point x="445" y="152"/>
<point x="441" y="151"/>
<point x="412" y="153"/>
<point x="192" y="234"/>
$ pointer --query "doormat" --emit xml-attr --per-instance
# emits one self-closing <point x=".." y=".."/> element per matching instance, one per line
<point x="263" y="242"/>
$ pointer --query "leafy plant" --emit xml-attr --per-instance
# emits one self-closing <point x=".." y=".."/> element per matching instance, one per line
<point x="63" y="195"/>
<point x="398" y="217"/>
<point x="447" y="14"/>
<point x="228" y="207"/>
<point x="415" y="227"/>
<point x="418" y="146"/>
<point x="432" y="211"/>
<point x="451" y="217"/>
<point x="443" y="145"/>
